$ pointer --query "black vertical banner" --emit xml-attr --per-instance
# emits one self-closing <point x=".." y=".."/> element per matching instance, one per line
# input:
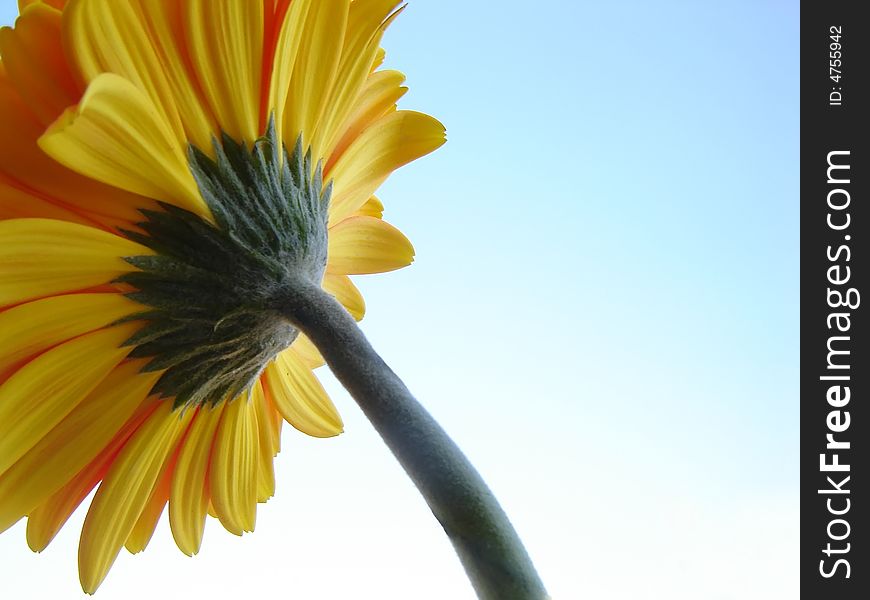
<point x="835" y="269"/>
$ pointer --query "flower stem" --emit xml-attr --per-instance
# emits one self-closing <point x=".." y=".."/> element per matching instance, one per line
<point x="487" y="544"/>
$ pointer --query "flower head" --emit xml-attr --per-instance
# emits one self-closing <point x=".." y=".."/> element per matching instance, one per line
<point x="168" y="169"/>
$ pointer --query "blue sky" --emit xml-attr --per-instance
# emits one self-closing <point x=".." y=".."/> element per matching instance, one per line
<point x="603" y="312"/>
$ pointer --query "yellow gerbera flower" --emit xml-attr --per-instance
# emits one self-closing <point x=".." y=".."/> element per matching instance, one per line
<point x="162" y="179"/>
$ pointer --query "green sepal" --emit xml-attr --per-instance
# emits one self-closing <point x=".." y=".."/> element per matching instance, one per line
<point x="214" y="287"/>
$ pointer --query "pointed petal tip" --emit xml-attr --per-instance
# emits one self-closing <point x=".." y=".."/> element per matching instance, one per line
<point x="36" y="541"/>
<point x="36" y="546"/>
<point x="323" y="431"/>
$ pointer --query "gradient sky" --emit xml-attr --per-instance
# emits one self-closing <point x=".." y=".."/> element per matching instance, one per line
<point x="603" y="313"/>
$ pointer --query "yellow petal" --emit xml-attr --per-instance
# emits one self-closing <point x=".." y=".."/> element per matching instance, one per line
<point x="266" y="453"/>
<point x="390" y="142"/>
<point x="36" y="326"/>
<point x="34" y="59"/>
<point x="365" y="27"/>
<point x="307" y="351"/>
<point x="360" y="245"/>
<point x="372" y="208"/>
<point x="343" y="289"/>
<point x="225" y="44"/>
<point x="17" y="203"/>
<point x="24" y="164"/>
<point x="135" y="39"/>
<point x="189" y="496"/>
<point x="58" y="4"/>
<point x="125" y="491"/>
<point x="233" y="471"/>
<point x="45" y="521"/>
<point x="74" y="442"/>
<point x="144" y="528"/>
<point x="148" y="48"/>
<point x="165" y="22"/>
<point x="276" y="421"/>
<point x="116" y="135"/>
<point x="284" y="28"/>
<point x="314" y="69"/>
<point x="300" y="398"/>
<point x="40" y="257"/>
<point x="378" y="97"/>
<point x="379" y="59"/>
<point x="45" y="390"/>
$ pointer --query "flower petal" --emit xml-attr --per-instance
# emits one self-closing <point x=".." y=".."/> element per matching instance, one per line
<point x="392" y="141"/>
<point x="34" y="60"/>
<point x="366" y="24"/>
<point x="284" y="30"/>
<point x="24" y="164"/>
<point x="314" y="69"/>
<point x="360" y="245"/>
<point x="189" y="495"/>
<point x="233" y="471"/>
<point x="58" y="4"/>
<point x="343" y="289"/>
<point x="143" y="41"/>
<point x="307" y="351"/>
<point x="165" y="21"/>
<point x="377" y="98"/>
<point x="45" y="390"/>
<point x="380" y="56"/>
<point x="74" y="442"/>
<point x="300" y="398"/>
<point x="276" y="420"/>
<point x="36" y="326"/>
<point x="45" y="521"/>
<point x="225" y="44"/>
<point x="267" y="449"/>
<point x="144" y="528"/>
<point x="40" y="257"/>
<point x="16" y="203"/>
<point x="372" y="208"/>
<point x="117" y="136"/>
<point x="125" y="491"/>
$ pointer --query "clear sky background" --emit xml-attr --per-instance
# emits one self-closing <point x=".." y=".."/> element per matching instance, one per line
<point x="603" y="313"/>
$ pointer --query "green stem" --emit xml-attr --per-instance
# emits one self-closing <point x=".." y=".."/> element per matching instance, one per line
<point x="487" y="544"/>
